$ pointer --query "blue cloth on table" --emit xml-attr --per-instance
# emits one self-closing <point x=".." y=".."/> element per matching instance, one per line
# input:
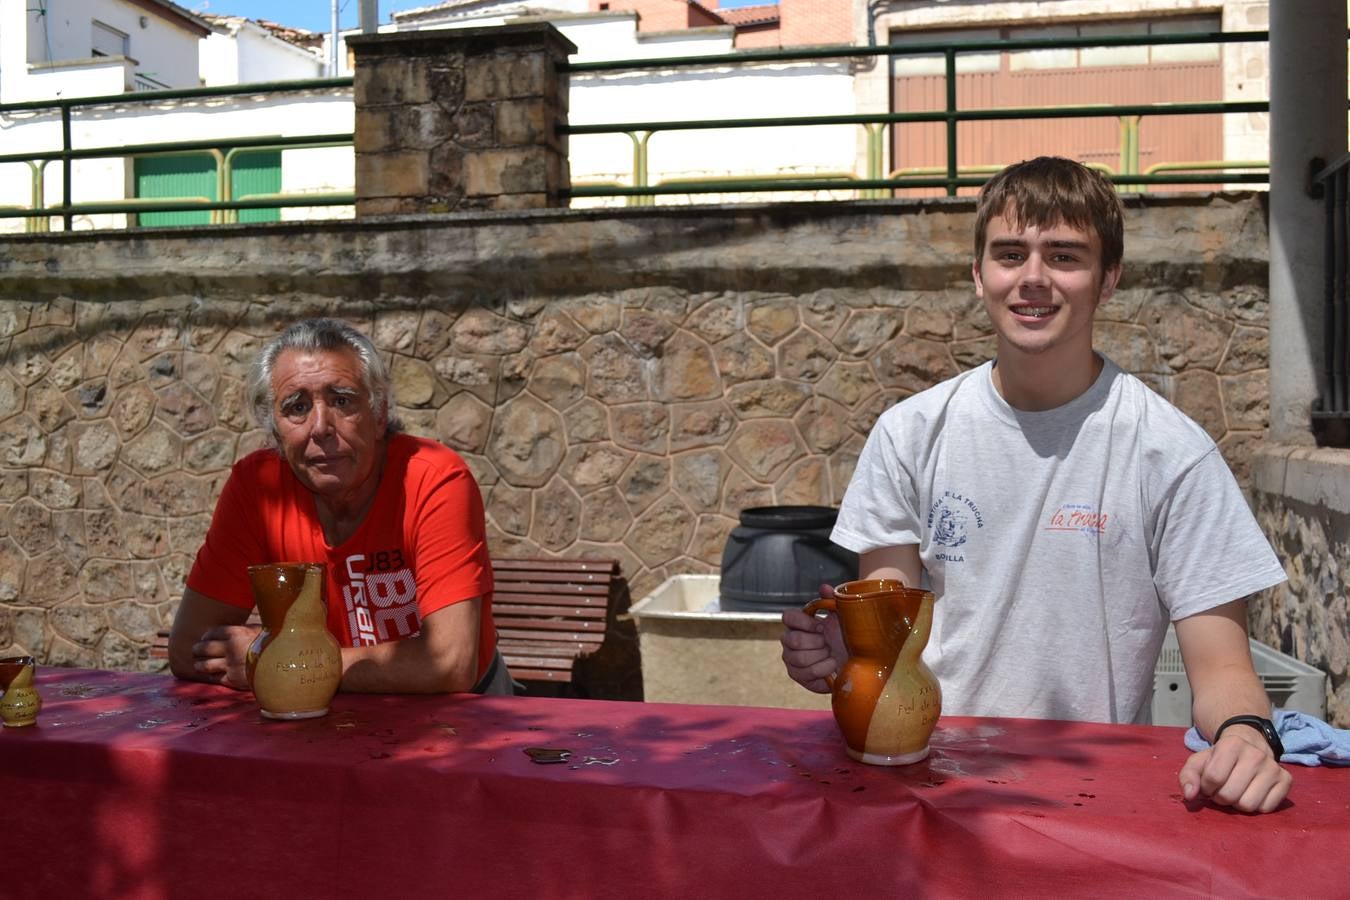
<point x="1308" y="741"/>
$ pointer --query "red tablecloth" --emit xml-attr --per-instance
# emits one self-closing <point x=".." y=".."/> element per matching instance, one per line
<point x="140" y="786"/>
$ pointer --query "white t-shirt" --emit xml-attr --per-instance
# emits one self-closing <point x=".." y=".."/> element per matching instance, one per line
<point x="1059" y="543"/>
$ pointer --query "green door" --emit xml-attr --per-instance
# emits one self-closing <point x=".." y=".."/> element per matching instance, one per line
<point x="161" y="177"/>
<point x="257" y="172"/>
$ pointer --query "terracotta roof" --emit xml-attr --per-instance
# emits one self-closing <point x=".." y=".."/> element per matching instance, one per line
<point x="300" y="37"/>
<point x="749" y="15"/>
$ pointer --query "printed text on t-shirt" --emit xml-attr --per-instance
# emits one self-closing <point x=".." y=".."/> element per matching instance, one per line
<point x="380" y="597"/>
<point x="1077" y="517"/>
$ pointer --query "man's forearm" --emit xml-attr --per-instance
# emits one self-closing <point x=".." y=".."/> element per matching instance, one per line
<point x="1232" y="691"/>
<point x="406" y="667"/>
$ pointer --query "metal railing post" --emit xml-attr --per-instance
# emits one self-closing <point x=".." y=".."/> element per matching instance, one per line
<point x="225" y="184"/>
<point x="67" y="219"/>
<point x="1337" y="268"/>
<point x="1129" y="150"/>
<point x="640" y="168"/>
<point x="951" y="121"/>
<point x="35" y="195"/>
<point x="876" y="148"/>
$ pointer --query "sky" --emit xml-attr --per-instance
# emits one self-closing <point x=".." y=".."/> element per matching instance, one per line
<point x="316" y="15"/>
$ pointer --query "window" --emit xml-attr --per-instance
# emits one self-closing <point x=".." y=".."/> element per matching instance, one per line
<point x="108" y="41"/>
<point x="1063" y="58"/>
<point x="936" y="63"/>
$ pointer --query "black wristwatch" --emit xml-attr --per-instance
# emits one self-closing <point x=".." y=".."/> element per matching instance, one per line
<point x="1265" y="726"/>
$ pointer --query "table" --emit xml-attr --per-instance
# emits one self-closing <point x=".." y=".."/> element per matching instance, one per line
<point x="136" y="785"/>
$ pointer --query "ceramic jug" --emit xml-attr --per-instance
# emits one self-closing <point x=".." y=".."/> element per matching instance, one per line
<point x="20" y="704"/>
<point x="294" y="664"/>
<point x="885" y="700"/>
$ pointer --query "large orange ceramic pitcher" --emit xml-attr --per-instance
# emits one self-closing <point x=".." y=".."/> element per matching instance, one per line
<point x="294" y="664"/>
<point x="885" y="700"/>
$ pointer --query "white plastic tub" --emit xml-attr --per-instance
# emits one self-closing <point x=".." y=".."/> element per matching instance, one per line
<point x="1290" y="683"/>
<point x="692" y="652"/>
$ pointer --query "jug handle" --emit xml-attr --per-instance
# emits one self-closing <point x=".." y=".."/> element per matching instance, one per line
<point x="918" y="635"/>
<point x="815" y="606"/>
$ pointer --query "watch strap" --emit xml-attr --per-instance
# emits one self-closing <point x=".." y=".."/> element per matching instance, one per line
<point x="1265" y="726"/>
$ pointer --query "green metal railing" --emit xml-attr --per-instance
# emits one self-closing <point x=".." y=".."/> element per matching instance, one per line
<point x="874" y="182"/>
<point x="222" y="149"/>
<point x="951" y="177"/>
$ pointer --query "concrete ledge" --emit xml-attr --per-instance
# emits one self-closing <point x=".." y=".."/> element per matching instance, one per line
<point x="1317" y="476"/>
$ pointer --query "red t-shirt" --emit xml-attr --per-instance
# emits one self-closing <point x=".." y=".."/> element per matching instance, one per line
<point x="421" y="547"/>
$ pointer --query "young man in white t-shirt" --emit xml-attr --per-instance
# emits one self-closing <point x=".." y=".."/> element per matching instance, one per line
<point x="1062" y="511"/>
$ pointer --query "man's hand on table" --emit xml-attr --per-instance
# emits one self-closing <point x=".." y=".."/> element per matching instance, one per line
<point x="1239" y="771"/>
<point x="220" y="654"/>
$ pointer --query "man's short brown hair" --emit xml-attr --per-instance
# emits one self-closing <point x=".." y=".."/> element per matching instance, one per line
<point x="1049" y="191"/>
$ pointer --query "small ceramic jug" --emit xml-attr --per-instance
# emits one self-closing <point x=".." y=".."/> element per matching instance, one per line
<point x="21" y="703"/>
<point x="294" y="664"/>
<point x="885" y="700"/>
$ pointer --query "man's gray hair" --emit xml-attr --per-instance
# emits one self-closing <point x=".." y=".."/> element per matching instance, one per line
<point x="314" y="335"/>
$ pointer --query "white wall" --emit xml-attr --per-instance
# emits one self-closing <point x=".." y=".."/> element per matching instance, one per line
<point x="249" y="54"/>
<point x="163" y="51"/>
<point x="218" y="58"/>
<point x="763" y="91"/>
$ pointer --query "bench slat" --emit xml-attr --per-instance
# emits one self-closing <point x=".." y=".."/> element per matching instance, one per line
<point x="515" y="610"/>
<point x="548" y="629"/>
<point x="540" y="586"/>
<point x="544" y="649"/>
<point x="515" y="594"/>
<point x="560" y="676"/>
<point x="609" y="566"/>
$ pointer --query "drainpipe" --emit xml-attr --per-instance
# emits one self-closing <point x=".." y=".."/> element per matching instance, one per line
<point x="873" y="10"/>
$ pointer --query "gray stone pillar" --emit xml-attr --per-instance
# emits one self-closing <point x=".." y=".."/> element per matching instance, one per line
<point x="1307" y="120"/>
<point x="460" y="119"/>
<point x="1300" y="492"/>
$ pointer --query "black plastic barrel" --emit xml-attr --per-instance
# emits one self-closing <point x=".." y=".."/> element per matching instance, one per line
<point x="779" y="556"/>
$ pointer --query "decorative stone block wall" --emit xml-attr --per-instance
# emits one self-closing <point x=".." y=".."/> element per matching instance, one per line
<point x="623" y="382"/>
<point x="459" y="119"/>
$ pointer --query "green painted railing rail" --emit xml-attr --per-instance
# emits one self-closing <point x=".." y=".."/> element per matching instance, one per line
<point x="641" y="191"/>
<point x="847" y="51"/>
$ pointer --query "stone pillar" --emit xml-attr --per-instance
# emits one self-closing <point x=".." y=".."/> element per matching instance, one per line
<point x="1301" y="493"/>
<point x="460" y="119"/>
<point x="1307" y="120"/>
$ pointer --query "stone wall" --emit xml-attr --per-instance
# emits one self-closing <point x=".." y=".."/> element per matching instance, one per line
<point x="1302" y="500"/>
<point x="623" y="383"/>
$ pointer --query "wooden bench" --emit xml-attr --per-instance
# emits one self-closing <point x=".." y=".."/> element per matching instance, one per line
<point x="552" y="612"/>
<point x="549" y="613"/>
